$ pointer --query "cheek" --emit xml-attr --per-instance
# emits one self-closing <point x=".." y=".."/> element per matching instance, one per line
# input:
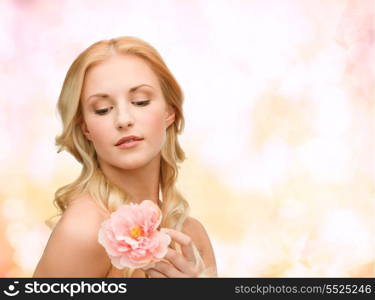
<point x="157" y="127"/>
<point x="98" y="130"/>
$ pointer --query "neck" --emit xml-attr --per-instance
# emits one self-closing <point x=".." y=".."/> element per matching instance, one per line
<point x="141" y="183"/>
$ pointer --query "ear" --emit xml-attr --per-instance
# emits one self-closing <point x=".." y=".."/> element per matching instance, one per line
<point x="170" y="116"/>
<point x="85" y="130"/>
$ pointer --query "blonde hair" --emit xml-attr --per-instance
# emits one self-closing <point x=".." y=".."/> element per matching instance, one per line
<point x="174" y="207"/>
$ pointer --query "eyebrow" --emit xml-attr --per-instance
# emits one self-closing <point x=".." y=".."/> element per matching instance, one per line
<point x="132" y="90"/>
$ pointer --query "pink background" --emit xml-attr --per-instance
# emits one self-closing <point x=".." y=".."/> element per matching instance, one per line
<point x="279" y="137"/>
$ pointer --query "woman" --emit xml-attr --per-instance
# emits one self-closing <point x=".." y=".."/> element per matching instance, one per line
<point x="122" y="110"/>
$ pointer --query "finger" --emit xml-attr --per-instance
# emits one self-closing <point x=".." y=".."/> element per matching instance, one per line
<point x="180" y="262"/>
<point x="184" y="240"/>
<point x="169" y="270"/>
<point x="152" y="273"/>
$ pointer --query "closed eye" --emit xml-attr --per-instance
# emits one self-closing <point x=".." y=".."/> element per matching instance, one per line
<point x="103" y="111"/>
<point x="142" y="103"/>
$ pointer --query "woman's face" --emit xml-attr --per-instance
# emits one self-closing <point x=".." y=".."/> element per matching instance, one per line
<point x="121" y="96"/>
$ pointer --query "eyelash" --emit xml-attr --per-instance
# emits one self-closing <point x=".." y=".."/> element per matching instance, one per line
<point x="103" y="111"/>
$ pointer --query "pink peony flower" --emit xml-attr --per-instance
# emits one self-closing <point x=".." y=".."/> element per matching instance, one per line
<point x="131" y="236"/>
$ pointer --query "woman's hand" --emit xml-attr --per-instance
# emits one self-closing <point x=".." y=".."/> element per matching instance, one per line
<point x="178" y="265"/>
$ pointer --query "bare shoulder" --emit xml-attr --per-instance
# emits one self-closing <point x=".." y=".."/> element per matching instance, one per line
<point x="73" y="249"/>
<point x="196" y="231"/>
<point x="82" y="216"/>
<point x="86" y="202"/>
<point x="199" y="235"/>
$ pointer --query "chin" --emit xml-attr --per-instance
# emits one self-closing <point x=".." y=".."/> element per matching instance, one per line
<point x="130" y="164"/>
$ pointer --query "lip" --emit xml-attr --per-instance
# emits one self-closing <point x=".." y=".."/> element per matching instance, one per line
<point x="125" y="138"/>
<point x="129" y="144"/>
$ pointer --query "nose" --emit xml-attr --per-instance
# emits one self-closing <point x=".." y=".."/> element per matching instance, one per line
<point x="124" y="117"/>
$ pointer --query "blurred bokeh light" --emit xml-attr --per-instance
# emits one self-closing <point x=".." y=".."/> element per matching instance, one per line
<point x="279" y="137"/>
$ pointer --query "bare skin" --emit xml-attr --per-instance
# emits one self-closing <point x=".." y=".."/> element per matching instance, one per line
<point x="73" y="249"/>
